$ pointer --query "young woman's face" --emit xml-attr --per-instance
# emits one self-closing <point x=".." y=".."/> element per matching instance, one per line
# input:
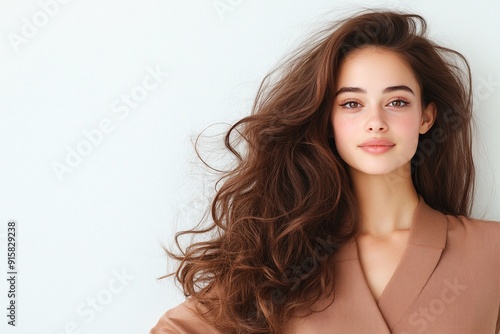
<point x="377" y="114"/>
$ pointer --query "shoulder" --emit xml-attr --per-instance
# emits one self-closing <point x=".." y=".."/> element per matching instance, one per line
<point x="477" y="235"/>
<point x="470" y="227"/>
<point x="183" y="319"/>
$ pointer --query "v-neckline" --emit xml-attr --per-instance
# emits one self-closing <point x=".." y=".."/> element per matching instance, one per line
<point x="365" y="279"/>
<point x="426" y="241"/>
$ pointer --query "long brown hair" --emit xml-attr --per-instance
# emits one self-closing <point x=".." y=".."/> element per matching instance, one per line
<point x="288" y="204"/>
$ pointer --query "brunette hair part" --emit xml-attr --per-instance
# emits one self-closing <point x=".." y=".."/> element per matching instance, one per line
<point x="288" y="204"/>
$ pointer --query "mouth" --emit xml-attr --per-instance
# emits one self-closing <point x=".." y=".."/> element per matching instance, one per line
<point x="377" y="145"/>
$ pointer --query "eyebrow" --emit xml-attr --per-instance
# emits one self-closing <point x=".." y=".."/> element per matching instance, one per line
<point x="361" y="90"/>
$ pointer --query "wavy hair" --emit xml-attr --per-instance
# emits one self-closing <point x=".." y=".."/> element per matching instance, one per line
<point x="288" y="203"/>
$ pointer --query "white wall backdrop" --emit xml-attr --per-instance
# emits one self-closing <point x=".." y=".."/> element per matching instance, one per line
<point x="99" y="101"/>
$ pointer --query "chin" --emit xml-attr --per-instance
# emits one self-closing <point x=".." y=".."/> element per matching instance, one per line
<point x="387" y="171"/>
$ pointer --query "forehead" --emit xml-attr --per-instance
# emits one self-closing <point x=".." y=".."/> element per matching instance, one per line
<point x="374" y="68"/>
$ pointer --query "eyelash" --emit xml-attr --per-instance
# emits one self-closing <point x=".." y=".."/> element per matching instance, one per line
<point x="406" y="103"/>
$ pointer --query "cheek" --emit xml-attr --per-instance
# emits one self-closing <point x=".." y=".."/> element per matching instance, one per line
<point x="408" y="130"/>
<point x="343" y="129"/>
<point x="344" y="134"/>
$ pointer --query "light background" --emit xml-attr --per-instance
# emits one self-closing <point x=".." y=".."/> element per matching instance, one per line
<point x="141" y="182"/>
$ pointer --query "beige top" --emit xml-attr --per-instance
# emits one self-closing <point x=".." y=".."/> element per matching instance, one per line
<point x="448" y="281"/>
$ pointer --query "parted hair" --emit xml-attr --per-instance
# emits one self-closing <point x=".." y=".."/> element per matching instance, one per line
<point x="287" y="204"/>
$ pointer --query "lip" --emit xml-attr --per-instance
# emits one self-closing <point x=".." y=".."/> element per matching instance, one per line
<point x="377" y="145"/>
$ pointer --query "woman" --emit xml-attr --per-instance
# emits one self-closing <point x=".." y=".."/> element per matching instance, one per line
<point x="349" y="210"/>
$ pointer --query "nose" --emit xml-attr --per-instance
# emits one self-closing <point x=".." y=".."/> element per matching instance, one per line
<point x="376" y="121"/>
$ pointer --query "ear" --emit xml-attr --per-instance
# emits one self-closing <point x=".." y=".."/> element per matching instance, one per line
<point x="428" y="117"/>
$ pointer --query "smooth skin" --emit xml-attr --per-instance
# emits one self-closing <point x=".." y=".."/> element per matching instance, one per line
<point x="379" y="97"/>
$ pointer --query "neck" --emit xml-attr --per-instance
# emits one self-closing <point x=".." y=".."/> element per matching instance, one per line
<point x="386" y="202"/>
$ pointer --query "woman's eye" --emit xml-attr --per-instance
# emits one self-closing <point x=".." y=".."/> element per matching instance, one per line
<point x="350" y="105"/>
<point x="398" y="103"/>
